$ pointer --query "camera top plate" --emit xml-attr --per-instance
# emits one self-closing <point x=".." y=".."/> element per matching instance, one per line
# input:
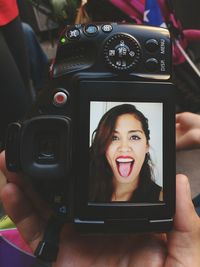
<point x="139" y="50"/>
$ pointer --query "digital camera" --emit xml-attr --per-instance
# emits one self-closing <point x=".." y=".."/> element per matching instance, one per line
<point x="99" y="143"/>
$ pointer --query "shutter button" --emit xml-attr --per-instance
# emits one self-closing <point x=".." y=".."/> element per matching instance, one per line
<point x="59" y="99"/>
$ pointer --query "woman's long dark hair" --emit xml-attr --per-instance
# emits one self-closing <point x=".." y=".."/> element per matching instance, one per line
<point x="101" y="175"/>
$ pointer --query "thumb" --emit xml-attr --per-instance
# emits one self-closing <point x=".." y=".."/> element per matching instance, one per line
<point x="184" y="240"/>
<point x="178" y="117"/>
<point x="18" y="207"/>
<point x="185" y="217"/>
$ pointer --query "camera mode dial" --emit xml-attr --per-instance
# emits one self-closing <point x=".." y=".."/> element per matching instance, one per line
<point x="122" y="52"/>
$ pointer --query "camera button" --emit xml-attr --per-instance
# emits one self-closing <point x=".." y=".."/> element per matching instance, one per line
<point x="152" y="64"/>
<point x="152" y="45"/>
<point x="73" y="34"/>
<point x="91" y="29"/>
<point x="59" y="99"/>
<point x="107" y="28"/>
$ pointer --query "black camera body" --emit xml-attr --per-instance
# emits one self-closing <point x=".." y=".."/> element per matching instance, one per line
<point x="97" y="64"/>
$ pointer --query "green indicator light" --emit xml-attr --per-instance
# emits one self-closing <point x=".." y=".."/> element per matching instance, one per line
<point x="63" y="40"/>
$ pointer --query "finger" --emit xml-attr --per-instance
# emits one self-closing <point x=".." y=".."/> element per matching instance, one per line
<point x="178" y="117"/>
<point x="184" y="117"/>
<point x="185" y="217"/>
<point x="11" y="176"/>
<point x="2" y="180"/>
<point x="185" y="238"/>
<point x="188" y="140"/>
<point x="23" y="214"/>
<point x="39" y="204"/>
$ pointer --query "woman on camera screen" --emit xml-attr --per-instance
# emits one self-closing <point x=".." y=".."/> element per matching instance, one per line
<point x="120" y="163"/>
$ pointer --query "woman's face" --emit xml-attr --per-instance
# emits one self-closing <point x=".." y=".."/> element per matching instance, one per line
<point x="126" y="152"/>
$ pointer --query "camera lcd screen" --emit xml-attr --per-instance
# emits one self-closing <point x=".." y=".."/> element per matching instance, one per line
<point x="131" y="182"/>
<point x="126" y="152"/>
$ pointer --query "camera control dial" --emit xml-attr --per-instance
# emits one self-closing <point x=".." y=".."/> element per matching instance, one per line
<point x="122" y="52"/>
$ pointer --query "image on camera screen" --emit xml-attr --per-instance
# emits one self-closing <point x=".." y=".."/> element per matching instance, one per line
<point x="126" y="152"/>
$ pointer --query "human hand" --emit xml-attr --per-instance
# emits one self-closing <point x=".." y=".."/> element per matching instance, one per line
<point x="187" y="130"/>
<point x="178" y="248"/>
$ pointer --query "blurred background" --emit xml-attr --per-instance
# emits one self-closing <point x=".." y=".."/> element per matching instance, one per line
<point x="47" y="17"/>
